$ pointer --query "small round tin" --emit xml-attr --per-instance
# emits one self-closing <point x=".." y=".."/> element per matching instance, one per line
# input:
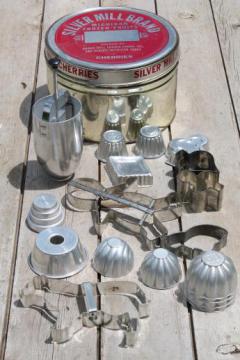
<point x="116" y="52"/>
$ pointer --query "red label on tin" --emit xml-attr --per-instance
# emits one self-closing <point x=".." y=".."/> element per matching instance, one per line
<point x="111" y="36"/>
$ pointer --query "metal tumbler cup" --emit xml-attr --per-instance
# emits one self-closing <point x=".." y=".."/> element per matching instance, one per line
<point x="58" y="144"/>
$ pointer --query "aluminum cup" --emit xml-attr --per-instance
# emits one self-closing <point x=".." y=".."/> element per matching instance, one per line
<point x="113" y="258"/>
<point x="211" y="282"/>
<point x="57" y="253"/>
<point x="45" y="212"/>
<point x="149" y="142"/>
<point x="112" y="144"/>
<point x="160" y="269"/>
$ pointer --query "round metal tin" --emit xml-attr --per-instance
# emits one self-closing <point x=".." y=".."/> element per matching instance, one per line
<point x="113" y="46"/>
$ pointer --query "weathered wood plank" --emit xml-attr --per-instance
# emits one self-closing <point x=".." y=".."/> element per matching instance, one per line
<point x="19" y="28"/>
<point x="227" y="17"/>
<point x="204" y="106"/>
<point x="28" y="330"/>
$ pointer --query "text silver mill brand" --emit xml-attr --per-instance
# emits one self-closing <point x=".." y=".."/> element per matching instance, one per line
<point x="109" y="55"/>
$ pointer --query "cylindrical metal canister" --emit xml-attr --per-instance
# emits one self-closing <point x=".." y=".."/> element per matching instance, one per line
<point x="116" y="59"/>
<point x="58" y="144"/>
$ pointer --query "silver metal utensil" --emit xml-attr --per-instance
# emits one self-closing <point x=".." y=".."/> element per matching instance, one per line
<point x="122" y="168"/>
<point x="58" y="144"/>
<point x="112" y="143"/>
<point x="160" y="269"/>
<point x="211" y="282"/>
<point x="45" y="212"/>
<point x="57" y="253"/>
<point x="149" y="142"/>
<point x="113" y="258"/>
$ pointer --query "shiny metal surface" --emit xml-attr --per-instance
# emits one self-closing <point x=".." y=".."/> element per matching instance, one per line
<point x="190" y="144"/>
<point x="98" y="101"/>
<point x="113" y="258"/>
<point x="150" y="142"/>
<point x="122" y="168"/>
<point x="160" y="269"/>
<point x="58" y="144"/>
<point x="112" y="143"/>
<point x="45" y="212"/>
<point x="33" y="295"/>
<point x="211" y="282"/>
<point x="148" y="83"/>
<point x="57" y="253"/>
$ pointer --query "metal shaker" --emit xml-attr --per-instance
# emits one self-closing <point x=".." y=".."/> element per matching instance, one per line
<point x="58" y="144"/>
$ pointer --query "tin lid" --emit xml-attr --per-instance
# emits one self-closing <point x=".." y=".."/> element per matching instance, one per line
<point x="113" y="46"/>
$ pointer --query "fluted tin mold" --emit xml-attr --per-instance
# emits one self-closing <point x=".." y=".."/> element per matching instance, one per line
<point x="149" y="142"/>
<point x="136" y="122"/>
<point x="45" y="212"/>
<point x="112" y="121"/>
<point x="57" y="253"/>
<point x="112" y="144"/>
<point x="113" y="258"/>
<point x="160" y="269"/>
<point x="211" y="282"/>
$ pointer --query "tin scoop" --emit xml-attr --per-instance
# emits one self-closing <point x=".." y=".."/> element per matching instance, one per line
<point x="56" y="107"/>
<point x="124" y="201"/>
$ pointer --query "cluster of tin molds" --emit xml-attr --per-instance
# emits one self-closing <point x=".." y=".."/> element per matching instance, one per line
<point x="160" y="269"/>
<point x="198" y="181"/>
<point x="113" y="258"/>
<point x="211" y="282"/>
<point x="136" y="122"/>
<point x="33" y="296"/>
<point x="112" y="144"/>
<point x="57" y="253"/>
<point x="190" y="144"/>
<point x="122" y="168"/>
<point x="45" y="212"/>
<point x="149" y="142"/>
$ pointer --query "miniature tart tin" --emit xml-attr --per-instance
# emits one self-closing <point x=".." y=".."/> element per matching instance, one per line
<point x="116" y="52"/>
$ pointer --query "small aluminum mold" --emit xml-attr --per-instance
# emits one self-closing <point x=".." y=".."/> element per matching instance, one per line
<point x="136" y="122"/>
<point x="121" y="168"/>
<point x="211" y="282"/>
<point x="45" y="212"/>
<point x="190" y="144"/>
<point x="113" y="258"/>
<point x="160" y="269"/>
<point x="149" y="142"/>
<point x="57" y="253"/>
<point x="112" y="144"/>
<point x="112" y="121"/>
